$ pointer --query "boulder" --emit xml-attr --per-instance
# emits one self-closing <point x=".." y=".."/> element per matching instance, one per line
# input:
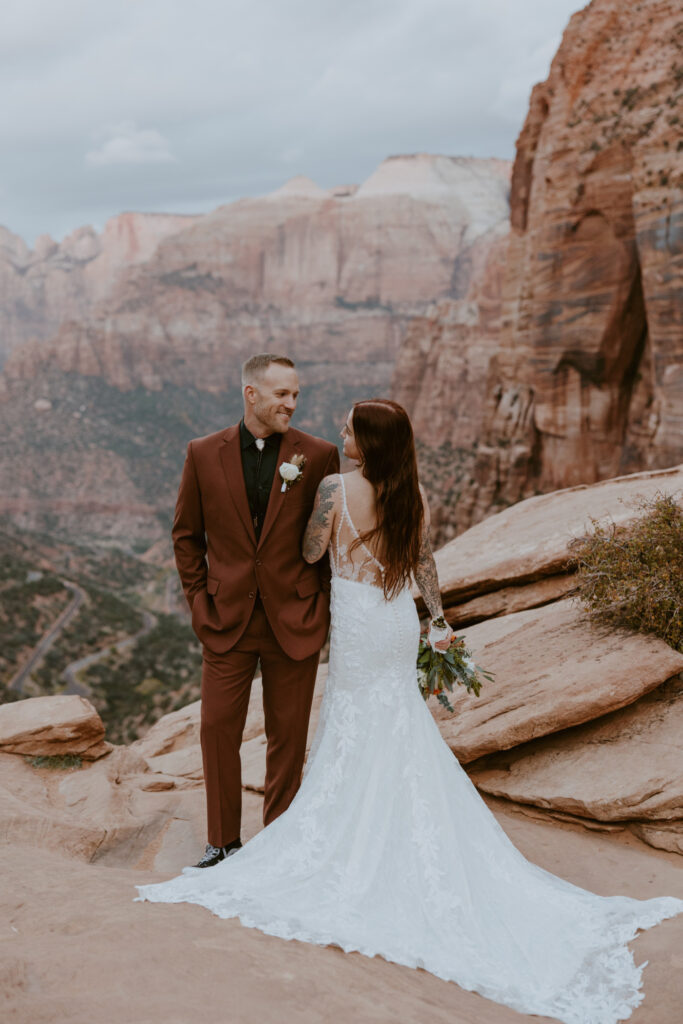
<point x="532" y="539"/>
<point x="553" y="669"/>
<point x="662" y="835"/>
<point x="57" y="725"/>
<point x="626" y="765"/>
<point x="174" y="731"/>
<point x="185" y="763"/>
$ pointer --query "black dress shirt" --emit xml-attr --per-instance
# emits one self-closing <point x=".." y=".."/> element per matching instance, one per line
<point x="259" y="470"/>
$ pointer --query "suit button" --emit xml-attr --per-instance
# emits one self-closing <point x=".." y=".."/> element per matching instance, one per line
<point x="258" y="561"/>
<point x="251" y="593"/>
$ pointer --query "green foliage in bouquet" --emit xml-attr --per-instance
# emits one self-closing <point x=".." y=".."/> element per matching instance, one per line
<point x="632" y="576"/>
<point x="438" y="671"/>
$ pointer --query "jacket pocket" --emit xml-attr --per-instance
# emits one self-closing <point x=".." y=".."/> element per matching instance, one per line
<point x="212" y="585"/>
<point x="308" y="586"/>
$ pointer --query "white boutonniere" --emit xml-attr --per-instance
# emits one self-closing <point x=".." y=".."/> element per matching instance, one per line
<point x="292" y="471"/>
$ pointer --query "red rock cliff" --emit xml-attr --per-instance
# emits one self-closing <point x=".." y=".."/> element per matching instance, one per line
<point x="585" y="381"/>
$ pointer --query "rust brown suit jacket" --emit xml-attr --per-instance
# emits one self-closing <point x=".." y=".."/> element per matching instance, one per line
<point x="212" y="522"/>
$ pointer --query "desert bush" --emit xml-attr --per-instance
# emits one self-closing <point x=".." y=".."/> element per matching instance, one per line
<point x="632" y="575"/>
<point x="56" y="762"/>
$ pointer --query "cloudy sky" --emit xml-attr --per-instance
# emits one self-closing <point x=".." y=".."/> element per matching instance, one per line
<point x="182" y="105"/>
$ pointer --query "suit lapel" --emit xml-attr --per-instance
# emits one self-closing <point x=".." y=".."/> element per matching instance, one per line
<point x="288" y="447"/>
<point x="231" y="460"/>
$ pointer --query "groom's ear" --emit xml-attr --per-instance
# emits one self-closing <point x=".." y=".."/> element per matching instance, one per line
<point x="249" y="392"/>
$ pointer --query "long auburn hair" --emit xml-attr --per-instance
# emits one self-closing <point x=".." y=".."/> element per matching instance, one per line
<point x="384" y="437"/>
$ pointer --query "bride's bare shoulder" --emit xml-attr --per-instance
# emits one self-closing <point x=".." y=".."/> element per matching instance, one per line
<point x="358" y="488"/>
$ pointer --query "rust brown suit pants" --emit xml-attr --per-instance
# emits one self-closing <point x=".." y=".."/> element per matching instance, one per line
<point x="287" y="696"/>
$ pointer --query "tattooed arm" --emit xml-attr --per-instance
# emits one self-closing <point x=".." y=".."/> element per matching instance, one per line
<point x="321" y="523"/>
<point x="425" y="574"/>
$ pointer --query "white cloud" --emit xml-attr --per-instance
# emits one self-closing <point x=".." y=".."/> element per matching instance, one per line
<point x="221" y="98"/>
<point x="125" y="143"/>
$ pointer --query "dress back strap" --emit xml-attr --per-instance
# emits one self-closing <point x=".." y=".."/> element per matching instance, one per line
<point x="346" y="515"/>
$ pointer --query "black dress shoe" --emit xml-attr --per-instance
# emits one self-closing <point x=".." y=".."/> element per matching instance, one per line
<point x="214" y="854"/>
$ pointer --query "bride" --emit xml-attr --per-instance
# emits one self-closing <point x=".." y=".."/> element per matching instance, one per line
<point x="387" y="848"/>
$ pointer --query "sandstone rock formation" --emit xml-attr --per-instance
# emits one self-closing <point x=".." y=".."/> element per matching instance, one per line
<point x="586" y="381"/>
<point x="591" y="383"/>
<point x="625" y="766"/>
<point x="49" y="726"/>
<point x="57" y="281"/>
<point x="333" y="277"/>
<point x="519" y="558"/>
<point x="162" y="964"/>
<point x="441" y="377"/>
<point x="553" y="669"/>
<point x="142" y="803"/>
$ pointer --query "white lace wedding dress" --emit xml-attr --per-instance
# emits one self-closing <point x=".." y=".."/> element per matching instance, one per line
<point x="389" y="850"/>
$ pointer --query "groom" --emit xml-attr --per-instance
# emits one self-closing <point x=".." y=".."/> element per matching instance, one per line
<point x="245" y="497"/>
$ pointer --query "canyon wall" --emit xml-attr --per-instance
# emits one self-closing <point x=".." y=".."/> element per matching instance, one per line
<point x="585" y="380"/>
<point x="98" y="415"/>
<point x="42" y="288"/>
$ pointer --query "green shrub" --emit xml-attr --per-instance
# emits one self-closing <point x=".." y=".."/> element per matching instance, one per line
<point x="57" y="762"/>
<point x="632" y="575"/>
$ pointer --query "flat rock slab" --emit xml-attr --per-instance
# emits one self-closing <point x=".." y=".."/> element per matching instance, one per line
<point x="531" y="539"/>
<point x="553" y="669"/>
<point x="664" y="836"/>
<point x="510" y="599"/>
<point x="46" y="726"/>
<point x="628" y="764"/>
<point x="185" y="763"/>
<point x="176" y="958"/>
<point x="103" y="811"/>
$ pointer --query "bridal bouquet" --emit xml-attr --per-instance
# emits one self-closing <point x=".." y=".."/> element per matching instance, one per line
<point x="437" y="671"/>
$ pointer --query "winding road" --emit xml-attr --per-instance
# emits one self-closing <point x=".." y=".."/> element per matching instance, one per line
<point x="70" y="673"/>
<point x="48" y="638"/>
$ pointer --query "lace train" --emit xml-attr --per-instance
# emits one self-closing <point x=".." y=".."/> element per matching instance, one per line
<point x="388" y="850"/>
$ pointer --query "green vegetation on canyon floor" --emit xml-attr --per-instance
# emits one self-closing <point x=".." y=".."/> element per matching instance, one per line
<point x="141" y="660"/>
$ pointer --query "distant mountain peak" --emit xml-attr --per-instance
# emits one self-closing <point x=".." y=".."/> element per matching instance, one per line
<point x="300" y="185"/>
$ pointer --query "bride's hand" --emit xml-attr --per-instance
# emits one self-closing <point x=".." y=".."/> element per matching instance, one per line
<point x="443" y="645"/>
<point x="444" y="632"/>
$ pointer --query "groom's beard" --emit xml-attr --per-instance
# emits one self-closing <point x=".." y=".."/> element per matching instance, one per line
<point x="276" y="421"/>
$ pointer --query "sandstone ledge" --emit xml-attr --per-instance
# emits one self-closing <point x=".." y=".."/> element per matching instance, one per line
<point x="46" y="726"/>
<point x="553" y="669"/>
<point x="626" y="765"/>
<point x="531" y="540"/>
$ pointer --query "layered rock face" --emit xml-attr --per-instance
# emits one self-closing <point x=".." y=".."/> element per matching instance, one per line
<point x="590" y="380"/>
<point x="441" y="377"/>
<point x="54" y="282"/>
<point x="587" y="379"/>
<point x="331" y="278"/>
<point x="98" y="416"/>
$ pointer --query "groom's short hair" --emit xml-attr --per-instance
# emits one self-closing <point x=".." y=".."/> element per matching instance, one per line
<point x="255" y="367"/>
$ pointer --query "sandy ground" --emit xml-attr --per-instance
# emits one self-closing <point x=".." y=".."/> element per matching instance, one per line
<point x="77" y="949"/>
